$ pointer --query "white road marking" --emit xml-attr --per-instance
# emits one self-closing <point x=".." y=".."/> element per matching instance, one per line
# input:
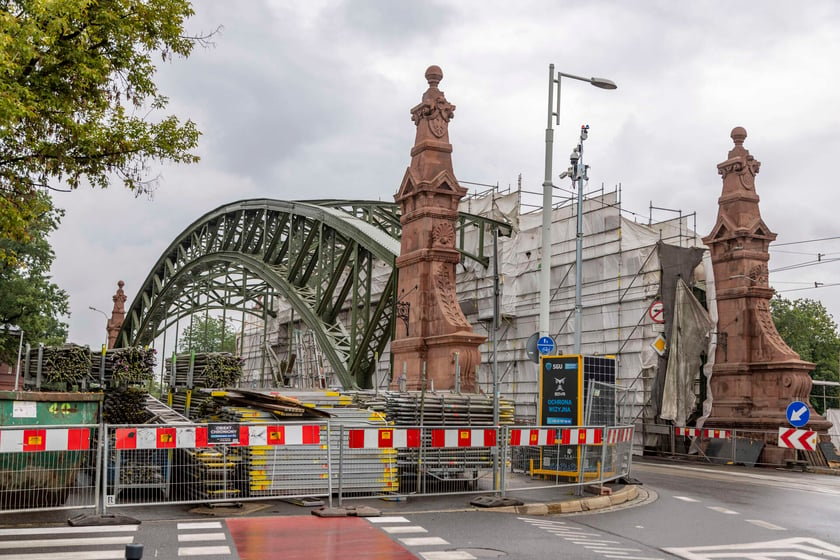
<point x="203" y="550"/>
<point x="634" y="557"/>
<point x="720" y="509"/>
<point x="404" y="529"/>
<point x="800" y="547"/>
<point x="67" y="530"/>
<point x="766" y="525"/>
<point x="686" y="499"/>
<point x="192" y="537"/>
<point x="447" y="555"/>
<point x="47" y="543"/>
<point x="423" y="541"/>
<point x="605" y="543"/>
<point x="200" y="525"/>
<point x="394" y="519"/>
<point x="613" y="549"/>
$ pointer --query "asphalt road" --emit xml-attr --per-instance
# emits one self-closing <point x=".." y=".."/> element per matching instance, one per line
<point x="684" y="511"/>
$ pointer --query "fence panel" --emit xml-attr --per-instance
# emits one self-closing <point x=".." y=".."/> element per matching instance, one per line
<point x="211" y="463"/>
<point x="48" y="467"/>
<point x="424" y="460"/>
<point x="570" y="456"/>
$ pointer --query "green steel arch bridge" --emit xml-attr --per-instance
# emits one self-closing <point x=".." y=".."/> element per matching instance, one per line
<point x="319" y="255"/>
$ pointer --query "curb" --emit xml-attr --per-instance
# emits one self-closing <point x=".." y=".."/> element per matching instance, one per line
<point x="624" y="495"/>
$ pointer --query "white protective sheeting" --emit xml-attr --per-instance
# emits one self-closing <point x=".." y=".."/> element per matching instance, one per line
<point x="833" y="416"/>
<point x="689" y="338"/>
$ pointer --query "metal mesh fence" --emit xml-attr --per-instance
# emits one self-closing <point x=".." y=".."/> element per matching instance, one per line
<point x="48" y="467"/>
<point x="71" y="467"/>
<point x="222" y="462"/>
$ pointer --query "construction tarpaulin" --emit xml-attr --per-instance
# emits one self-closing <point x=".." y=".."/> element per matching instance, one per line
<point x="833" y="416"/>
<point x="690" y="331"/>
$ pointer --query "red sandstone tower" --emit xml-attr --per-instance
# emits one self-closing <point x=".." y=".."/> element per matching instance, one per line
<point x="433" y="328"/>
<point x="756" y="374"/>
<point x="117" y="315"/>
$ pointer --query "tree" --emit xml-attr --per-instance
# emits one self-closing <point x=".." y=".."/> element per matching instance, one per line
<point x="78" y="101"/>
<point x="208" y="334"/>
<point x="806" y="326"/>
<point x="29" y="300"/>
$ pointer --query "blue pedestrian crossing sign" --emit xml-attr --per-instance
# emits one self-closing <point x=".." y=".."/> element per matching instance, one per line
<point x="798" y="414"/>
<point x="545" y="345"/>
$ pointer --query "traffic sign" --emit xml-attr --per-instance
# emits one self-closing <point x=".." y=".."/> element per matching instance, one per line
<point x="531" y="348"/>
<point x="656" y="311"/>
<point x="797" y="439"/>
<point x="798" y="414"/>
<point x="545" y="345"/>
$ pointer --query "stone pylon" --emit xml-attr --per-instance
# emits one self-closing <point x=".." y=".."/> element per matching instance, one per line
<point x="117" y="315"/>
<point x="756" y="375"/>
<point x="431" y="328"/>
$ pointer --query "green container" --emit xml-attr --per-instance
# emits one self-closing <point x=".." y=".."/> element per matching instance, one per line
<point x="43" y="478"/>
<point x="29" y="408"/>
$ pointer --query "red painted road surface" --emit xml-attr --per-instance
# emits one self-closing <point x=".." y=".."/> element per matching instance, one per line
<point x="312" y="538"/>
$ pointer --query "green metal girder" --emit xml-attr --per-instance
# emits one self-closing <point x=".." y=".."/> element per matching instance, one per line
<point x="318" y="255"/>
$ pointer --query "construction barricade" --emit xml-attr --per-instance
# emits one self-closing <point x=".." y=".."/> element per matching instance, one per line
<point x="48" y="467"/>
<point x="229" y="462"/>
<point x="572" y="456"/>
<point x="424" y="460"/>
<point x="218" y="462"/>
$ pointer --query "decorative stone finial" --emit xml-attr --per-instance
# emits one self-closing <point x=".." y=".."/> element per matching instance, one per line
<point x="434" y="109"/>
<point x="434" y="75"/>
<point x="738" y="135"/>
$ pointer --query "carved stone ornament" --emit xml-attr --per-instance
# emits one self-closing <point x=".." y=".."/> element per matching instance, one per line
<point x="434" y="108"/>
<point x="759" y="274"/>
<point x="443" y="235"/>
<point x="445" y="290"/>
<point x="740" y="161"/>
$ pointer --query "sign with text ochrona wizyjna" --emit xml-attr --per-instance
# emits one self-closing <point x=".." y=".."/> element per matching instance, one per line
<point x="561" y="388"/>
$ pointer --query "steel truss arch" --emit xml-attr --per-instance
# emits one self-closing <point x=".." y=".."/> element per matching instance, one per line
<point x="319" y="256"/>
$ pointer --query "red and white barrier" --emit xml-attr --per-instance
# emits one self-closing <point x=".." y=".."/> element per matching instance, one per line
<point x="581" y="436"/>
<point x="536" y="436"/>
<point x="707" y="433"/>
<point x="619" y="435"/>
<point x="192" y="437"/>
<point x="463" y="438"/>
<point x="384" y="438"/>
<point x="565" y="436"/>
<point x="44" y="439"/>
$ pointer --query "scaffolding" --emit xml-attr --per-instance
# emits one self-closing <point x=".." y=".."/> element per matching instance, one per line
<point x="620" y="282"/>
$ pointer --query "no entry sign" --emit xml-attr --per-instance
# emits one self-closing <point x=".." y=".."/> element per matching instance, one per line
<point x="656" y="311"/>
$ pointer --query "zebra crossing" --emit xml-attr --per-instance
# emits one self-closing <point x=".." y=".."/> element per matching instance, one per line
<point x="202" y="538"/>
<point x="416" y="537"/>
<point x="66" y="543"/>
<point x="587" y="538"/>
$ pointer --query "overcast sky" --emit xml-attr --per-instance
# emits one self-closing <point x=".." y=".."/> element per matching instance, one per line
<point x="311" y="98"/>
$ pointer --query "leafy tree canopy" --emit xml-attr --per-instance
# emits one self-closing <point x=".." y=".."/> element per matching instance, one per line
<point x="30" y="301"/>
<point x="76" y="95"/>
<point x="208" y="334"/>
<point x="806" y="326"/>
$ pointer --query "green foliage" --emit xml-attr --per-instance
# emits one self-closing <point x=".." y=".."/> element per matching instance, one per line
<point x="78" y="101"/>
<point x="806" y="326"/>
<point x="208" y="334"/>
<point x="29" y="299"/>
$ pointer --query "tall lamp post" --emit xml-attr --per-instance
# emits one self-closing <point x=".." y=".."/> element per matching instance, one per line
<point x="92" y="308"/>
<point x="545" y="266"/>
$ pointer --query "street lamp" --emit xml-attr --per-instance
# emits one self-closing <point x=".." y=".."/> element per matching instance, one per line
<point x="92" y="308"/>
<point x="545" y="266"/>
